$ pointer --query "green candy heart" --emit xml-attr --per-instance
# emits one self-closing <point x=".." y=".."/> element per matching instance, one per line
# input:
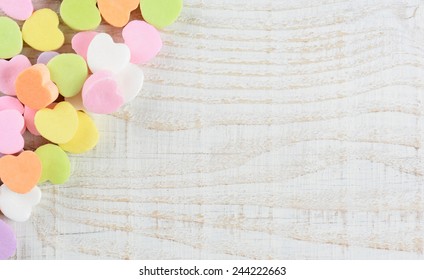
<point x="80" y="14"/>
<point x="69" y="72"/>
<point x="161" y="13"/>
<point x="10" y="38"/>
<point x="55" y="162"/>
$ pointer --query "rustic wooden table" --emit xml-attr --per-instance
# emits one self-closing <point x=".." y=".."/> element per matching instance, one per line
<point x="265" y="130"/>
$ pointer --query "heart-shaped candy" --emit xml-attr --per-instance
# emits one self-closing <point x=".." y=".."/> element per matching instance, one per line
<point x="11" y="103"/>
<point x="41" y="31"/>
<point x="10" y="38"/>
<point x="77" y="102"/>
<point x="59" y="124"/>
<point x="130" y="81"/>
<point x="18" y="207"/>
<point x="17" y="9"/>
<point x="9" y="71"/>
<point x="69" y="72"/>
<point x="161" y="13"/>
<point x="34" y="87"/>
<point x="20" y="173"/>
<point x="11" y="125"/>
<point x="45" y="57"/>
<point x="105" y="55"/>
<point x="117" y="12"/>
<point x="80" y="14"/>
<point x="143" y="40"/>
<point x="81" y="41"/>
<point x="100" y="93"/>
<point x="86" y="137"/>
<point x="55" y="162"/>
<point x="7" y="241"/>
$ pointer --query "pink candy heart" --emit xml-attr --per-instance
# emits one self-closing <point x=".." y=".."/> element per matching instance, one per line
<point x="9" y="102"/>
<point x="100" y="93"/>
<point x="143" y="40"/>
<point x="9" y="71"/>
<point x="7" y="241"/>
<point x="11" y="125"/>
<point x="81" y="41"/>
<point x="17" y="9"/>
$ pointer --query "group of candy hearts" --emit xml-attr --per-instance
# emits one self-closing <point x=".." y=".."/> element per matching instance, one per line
<point x="54" y="97"/>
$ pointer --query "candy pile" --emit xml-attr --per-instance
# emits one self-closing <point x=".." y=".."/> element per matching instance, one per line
<point x="54" y="97"/>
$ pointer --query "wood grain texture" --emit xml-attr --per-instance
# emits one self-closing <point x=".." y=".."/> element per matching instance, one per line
<point x="265" y="130"/>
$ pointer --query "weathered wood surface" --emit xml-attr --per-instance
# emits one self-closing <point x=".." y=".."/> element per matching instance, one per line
<point x="265" y="130"/>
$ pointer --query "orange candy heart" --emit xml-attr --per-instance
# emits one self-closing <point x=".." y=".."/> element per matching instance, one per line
<point x="34" y="87"/>
<point x="20" y="174"/>
<point x="117" y="12"/>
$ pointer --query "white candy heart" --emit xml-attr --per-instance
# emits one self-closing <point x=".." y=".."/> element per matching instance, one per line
<point x="104" y="54"/>
<point x="130" y="81"/>
<point x="18" y="207"/>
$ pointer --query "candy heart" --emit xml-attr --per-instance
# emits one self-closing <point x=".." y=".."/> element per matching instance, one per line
<point x="55" y="162"/>
<point x="34" y="87"/>
<point x="57" y="125"/>
<point x="100" y="93"/>
<point x="11" y="103"/>
<point x="20" y="173"/>
<point x="10" y="38"/>
<point x="29" y="115"/>
<point x="18" y="207"/>
<point x="80" y="14"/>
<point x="143" y="40"/>
<point x="9" y="71"/>
<point x="117" y="12"/>
<point x="130" y="81"/>
<point x="69" y="72"/>
<point x="160" y="13"/>
<point x="104" y="54"/>
<point x="17" y="9"/>
<point x="11" y="125"/>
<point x="77" y="102"/>
<point x="41" y="31"/>
<point x="81" y="41"/>
<point x="45" y="57"/>
<point x="7" y="241"/>
<point x="86" y="137"/>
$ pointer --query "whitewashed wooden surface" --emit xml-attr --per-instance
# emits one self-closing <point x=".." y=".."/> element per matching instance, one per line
<point x="266" y="129"/>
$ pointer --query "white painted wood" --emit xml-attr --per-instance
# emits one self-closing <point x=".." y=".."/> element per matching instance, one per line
<point x="265" y="130"/>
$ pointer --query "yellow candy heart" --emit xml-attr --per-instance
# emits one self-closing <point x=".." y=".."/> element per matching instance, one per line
<point x="58" y="125"/>
<point x="86" y="137"/>
<point x="41" y="31"/>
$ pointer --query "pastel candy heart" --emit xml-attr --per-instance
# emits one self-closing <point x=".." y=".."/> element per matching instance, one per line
<point x="161" y="13"/>
<point x="7" y="241"/>
<point x="10" y="38"/>
<point x="86" y="137"/>
<point x="29" y="115"/>
<point x="18" y="207"/>
<point x="80" y="14"/>
<point x="55" y="162"/>
<point x="105" y="55"/>
<point x="69" y="72"/>
<point x="100" y="93"/>
<point x="20" y="173"/>
<point x="12" y="103"/>
<point x="34" y="87"/>
<point x="57" y="125"/>
<point x="17" y="9"/>
<point x="45" y="57"/>
<point x="130" y="81"/>
<point x="81" y="41"/>
<point x="41" y="31"/>
<point x="11" y="125"/>
<point x="117" y="12"/>
<point x="9" y="71"/>
<point x="143" y="40"/>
